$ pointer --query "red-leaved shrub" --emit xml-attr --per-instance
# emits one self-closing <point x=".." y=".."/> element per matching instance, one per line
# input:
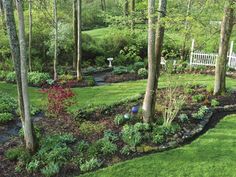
<point x="59" y="99"/>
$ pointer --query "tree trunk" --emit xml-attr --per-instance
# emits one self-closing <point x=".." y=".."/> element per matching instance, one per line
<point x="226" y="30"/>
<point x="79" y="45"/>
<point x="55" y="40"/>
<point x="149" y="99"/>
<point x="75" y="26"/>
<point x="103" y="5"/>
<point x="186" y="28"/>
<point x="132" y="13"/>
<point x="2" y="13"/>
<point x="30" y="34"/>
<point x="126" y="8"/>
<point x="19" y="60"/>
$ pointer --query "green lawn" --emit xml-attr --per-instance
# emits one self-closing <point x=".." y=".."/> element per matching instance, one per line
<point x="109" y="94"/>
<point x="98" y="33"/>
<point x="212" y="155"/>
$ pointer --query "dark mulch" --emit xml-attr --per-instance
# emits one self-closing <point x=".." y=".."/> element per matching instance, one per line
<point x="111" y="78"/>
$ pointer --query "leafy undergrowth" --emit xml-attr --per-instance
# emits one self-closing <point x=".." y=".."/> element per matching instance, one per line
<point x="211" y="155"/>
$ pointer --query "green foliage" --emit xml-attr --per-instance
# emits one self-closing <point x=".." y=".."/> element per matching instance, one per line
<point x="88" y="128"/>
<point x="11" y="77"/>
<point x="188" y="90"/>
<point x="119" y="119"/>
<point x="90" y="165"/>
<point x="143" y="73"/>
<point x="183" y="117"/>
<point x="37" y="78"/>
<point x="201" y="113"/>
<point x="37" y="132"/>
<point x="66" y="77"/>
<point x="198" y="98"/>
<point x="215" y="103"/>
<point x="106" y="146"/>
<point x="7" y="103"/>
<point x="210" y="89"/>
<point x="120" y="70"/>
<point x="3" y="75"/>
<point x="90" y="80"/>
<point x="6" y="117"/>
<point x="51" y="169"/>
<point x="15" y="153"/>
<point x="138" y="65"/>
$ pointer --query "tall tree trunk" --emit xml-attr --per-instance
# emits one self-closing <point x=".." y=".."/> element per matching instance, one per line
<point x="149" y="99"/>
<point x="132" y="13"/>
<point x="55" y="40"/>
<point x="186" y="28"/>
<point x="126" y="7"/>
<point x="103" y="5"/>
<point x="30" y="35"/>
<point x="160" y="32"/>
<point x="75" y="30"/>
<point x="226" y="30"/>
<point x="19" y="60"/>
<point x="79" y="44"/>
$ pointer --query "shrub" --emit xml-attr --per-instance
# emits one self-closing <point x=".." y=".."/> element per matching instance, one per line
<point x="7" y="103"/>
<point x="183" y="117"/>
<point x="14" y="153"/>
<point x="59" y="99"/>
<point x="188" y="90"/>
<point x="110" y="135"/>
<point x="158" y="138"/>
<point x="173" y="104"/>
<point x="210" y="89"/>
<point x="5" y="117"/>
<point x="201" y="113"/>
<point x="119" y="119"/>
<point x="215" y="103"/>
<point x="3" y="75"/>
<point x="11" y="77"/>
<point x="90" y="80"/>
<point x="143" y="73"/>
<point x="66" y="77"/>
<point x="51" y="169"/>
<point x="36" y="78"/>
<point x="101" y="61"/>
<point x="198" y="98"/>
<point x="120" y="70"/>
<point x="90" y="165"/>
<point x="138" y="65"/>
<point x="88" y="128"/>
<point x="131" y="136"/>
<point x="106" y="146"/>
<point x="91" y="69"/>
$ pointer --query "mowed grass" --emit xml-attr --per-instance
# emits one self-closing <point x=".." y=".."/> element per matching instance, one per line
<point x="98" y="33"/>
<point x="212" y="155"/>
<point x="113" y="93"/>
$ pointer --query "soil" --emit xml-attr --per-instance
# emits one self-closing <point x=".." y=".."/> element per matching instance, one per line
<point x="111" y="78"/>
<point x="67" y="124"/>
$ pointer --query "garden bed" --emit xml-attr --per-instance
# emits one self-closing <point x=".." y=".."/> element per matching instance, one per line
<point x="101" y="137"/>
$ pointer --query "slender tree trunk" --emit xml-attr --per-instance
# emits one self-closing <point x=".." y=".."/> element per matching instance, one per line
<point x="75" y="26"/>
<point x="126" y="7"/>
<point x="30" y="34"/>
<point x="27" y="126"/>
<point x="226" y="30"/>
<point x="186" y="28"/>
<point x="149" y="99"/>
<point x="19" y="60"/>
<point x="55" y="40"/>
<point x="132" y="13"/>
<point x="2" y="13"/>
<point x="103" y="5"/>
<point x="79" y="44"/>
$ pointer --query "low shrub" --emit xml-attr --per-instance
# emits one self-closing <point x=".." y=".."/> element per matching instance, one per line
<point x="138" y="65"/>
<point x="90" y="80"/>
<point x="66" y="77"/>
<point x="119" y="119"/>
<point x="88" y="128"/>
<point x="120" y="70"/>
<point x="6" y="117"/>
<point x="59" y="99"/>
<point x="51" y="169"/>
<point x="198" y="98"/>
<point x="210" y="88"/>
<point x="89" y="165"/>
<point x="215" y="103"/>
<point x="11" y="77"/>
<point x="143" y="73"/>
<point x="37" y="78"/>
<point x="183" y="117"/>
<point x="3" y="75"/>
<point x="201" y="113"/>
<point x="91" y="70"/>
<point x="15" y="153"/>
<point x="106" y="146"/>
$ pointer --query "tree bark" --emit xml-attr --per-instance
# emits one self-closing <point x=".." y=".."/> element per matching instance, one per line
<point x="149" y="99"/>
<point x="19" y="60"/>
<point x="30" y="35"/>
<point x="221" y="62"/>
<point x="103" y="5"/>
<point x="27" y="126"/>
<point x="75" y="26"/>
<point x="79" y="40"/>
<point x="55" y="40"/>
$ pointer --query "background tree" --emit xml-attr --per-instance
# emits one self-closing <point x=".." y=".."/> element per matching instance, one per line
<point x="30" y="35"/>
<point x="75" y="31"/>
<point x="55" y="40"/>
<point x="221" y="62"/>
<point x="19" y="60"/>
<point x="79" y="45"/>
